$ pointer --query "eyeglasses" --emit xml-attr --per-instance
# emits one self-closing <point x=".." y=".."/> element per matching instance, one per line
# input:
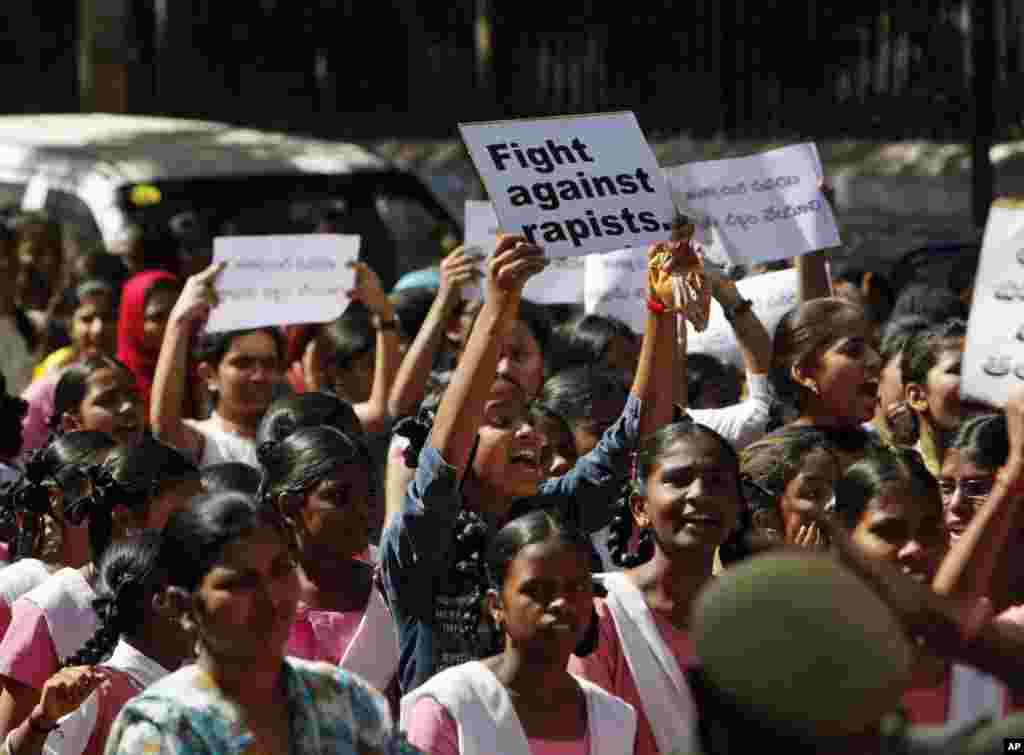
<point x="976" y="490"/>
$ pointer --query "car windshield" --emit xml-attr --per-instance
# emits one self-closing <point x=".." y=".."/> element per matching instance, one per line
<point x="400" y="222"/>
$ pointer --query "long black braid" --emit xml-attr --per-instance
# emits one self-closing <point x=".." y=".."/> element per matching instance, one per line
<point x="126" y="577"/>
<point x="620" y="531"/>
<point x="25" y="502"/>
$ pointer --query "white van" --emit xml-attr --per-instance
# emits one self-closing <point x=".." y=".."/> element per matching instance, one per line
<point x="101" y="173"/>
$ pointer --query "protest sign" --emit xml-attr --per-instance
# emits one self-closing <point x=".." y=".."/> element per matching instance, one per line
<point x="994" y="355"/>
<point x="282" y="280"/>
<point x="616" y="286"/>
<point x="757" y="209"/>
<point x="1005" y="219"/>
<point x="560" y="283"/>
<point x="575" y="185"/>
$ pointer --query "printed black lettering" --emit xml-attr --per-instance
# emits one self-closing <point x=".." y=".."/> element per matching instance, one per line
<point x="649" y="221"/>
<point x="568" y="191"/>
<point x="626" y="184"/>
<point x="612" y="226"/>
<point x="581" y="150"/>
<point x="545" y="195"/>
<point x="629" y="217"/>
<point x="528" y="232"/>
<point x="585" y="184"/>
<point x="558" y="151"/>
<point x="645" y="180"/>
<point x="553" y="232"/>
<point x="594" y="227"/>
<point x="577" y="230"/>
<point x="519" y="196"/>
<point x="499" y="155"/>
<point x="540" y="159"/>
<point x="605" y="186"/>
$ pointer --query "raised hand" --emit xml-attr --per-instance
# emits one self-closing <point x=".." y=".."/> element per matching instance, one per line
<point x="198" y="297"/>
<point x="457" y="270"/>
<point x="370" y="292"/>
<point x="64" y="692"/>
<point x="513" y="263"/>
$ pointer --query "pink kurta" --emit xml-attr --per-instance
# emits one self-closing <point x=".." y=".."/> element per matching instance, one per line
<point x="433" y="730"/>
<point x="607" y="668"/>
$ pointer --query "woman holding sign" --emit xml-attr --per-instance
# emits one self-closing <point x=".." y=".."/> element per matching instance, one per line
<point x="481" y="455"/>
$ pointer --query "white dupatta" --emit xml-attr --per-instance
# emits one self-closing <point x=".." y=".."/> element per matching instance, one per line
<point x="487" y="720"/>
<point x="665" y="695"/>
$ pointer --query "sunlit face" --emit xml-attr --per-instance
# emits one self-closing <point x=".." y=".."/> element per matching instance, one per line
<point x="354" y="380"/>
<point x="890" y="383"/>
<point x="810" y="489"/>
<point x="245" y="605"/>
<point x="943" y="387"/>
<point x="545" y="604"/>
<point x="112" y="405"/>
<point x="158" y="308"/>
<point x="246" y="376"/>
<point x="508" y="455"/>
<point x="965" y="486"/>
<point x="692" y="499"/>
<point x="847" y="374"/>
<point x="905" y="528"/>
<point x="94" y="326"/>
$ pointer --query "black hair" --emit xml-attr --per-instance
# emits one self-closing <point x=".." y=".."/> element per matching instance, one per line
<point x="411" y="308"/>
<point x="195" y="536"/>
<point x="928" y="301"/>
<point x="536" y="318"/>
<point x="212" y="347"/>
<point x="231" y="475"/>
<point x="922" y="349"/>
<point x="74" y="383"/>
<point x="538" y="526"/>
<point x="569" y="395"/>
<point x="897" y="333"/>
<point x="74" y="296"/>
<point x="303" y="458"/>
<point x="962" y="273"/>
<point x="127" y="576"/>
<point x="160" y="284"/>
<point x="12" y="411"/>
<point x="132" y="477"/>
<point x="586" y="340"/>
<point x="702" y="369"/>
<point x="652" y="449"/>
<point x="863" y="481"/>
<point x="63" y="463"/>
<point x="311" y="409"/>
<point x="349" y="337"/>
<point x="985" y="440"/>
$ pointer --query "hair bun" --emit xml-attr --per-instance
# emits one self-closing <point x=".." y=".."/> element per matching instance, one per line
<point x="265" y="451"/>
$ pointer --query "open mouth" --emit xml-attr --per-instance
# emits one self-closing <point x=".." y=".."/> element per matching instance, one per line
<point x="530" y="458"/>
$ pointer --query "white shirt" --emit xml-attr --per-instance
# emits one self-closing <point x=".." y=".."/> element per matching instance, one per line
<point x="220" y="446"/>
<point x="743" y="423"/>
<point x="77" y="727"/>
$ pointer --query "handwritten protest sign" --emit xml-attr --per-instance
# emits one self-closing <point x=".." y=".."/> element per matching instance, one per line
<point x="560" y="283"/>
<point x="757" y="209"/>
<point x="994" y="355"/>
<point x="282" y="280"/>
<point x="616" y="286"/>
<point x="575" y="185"/>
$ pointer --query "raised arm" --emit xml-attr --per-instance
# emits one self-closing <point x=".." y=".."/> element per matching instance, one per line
<point x="462" y="408"/>
<point x="409" y="387"/>
<point x="751" y="335"/>
<point x="191" y="310"/>
<point x="373" y="413"/>
<point x="812" y="268"/>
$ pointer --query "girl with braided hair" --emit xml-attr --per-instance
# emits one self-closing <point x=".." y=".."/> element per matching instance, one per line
<point x="522" y="700"/>
<point x="482" y="458"/>
<point x="139" y="641"/>
<point x="320" y="481"/>
<point x="42" y="510"/>
<point x="687" y="500"/>
<point x="135" y="489"/>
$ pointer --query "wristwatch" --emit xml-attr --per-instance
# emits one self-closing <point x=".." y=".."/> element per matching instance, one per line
<point x="743" y="305"/>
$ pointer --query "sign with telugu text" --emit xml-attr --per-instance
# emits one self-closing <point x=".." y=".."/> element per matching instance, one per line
<point x="574" y="185"/>
<point x="993" y="359"/>
<point x="282" y="280"/>
<point x="755" y="209"/>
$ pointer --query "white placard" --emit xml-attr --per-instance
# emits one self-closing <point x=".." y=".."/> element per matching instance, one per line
<point x="574" y="185"/>
<point x="616" y="286"/>
<point x="994" y="354"/>
<point x="282" y="280"/>
<point x="560" y="283"/>
<point x="771" y="295"/>
<point x="760" y="208"/>
<point x="1005" y="220"/>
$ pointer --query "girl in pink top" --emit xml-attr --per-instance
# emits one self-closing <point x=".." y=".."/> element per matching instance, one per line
<point x="522" y="701"/>
<point x="686" y="501"/>
<point x="135" y="489"/>
<point x="139" y="640"/>
<point x="320" y="479"/>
